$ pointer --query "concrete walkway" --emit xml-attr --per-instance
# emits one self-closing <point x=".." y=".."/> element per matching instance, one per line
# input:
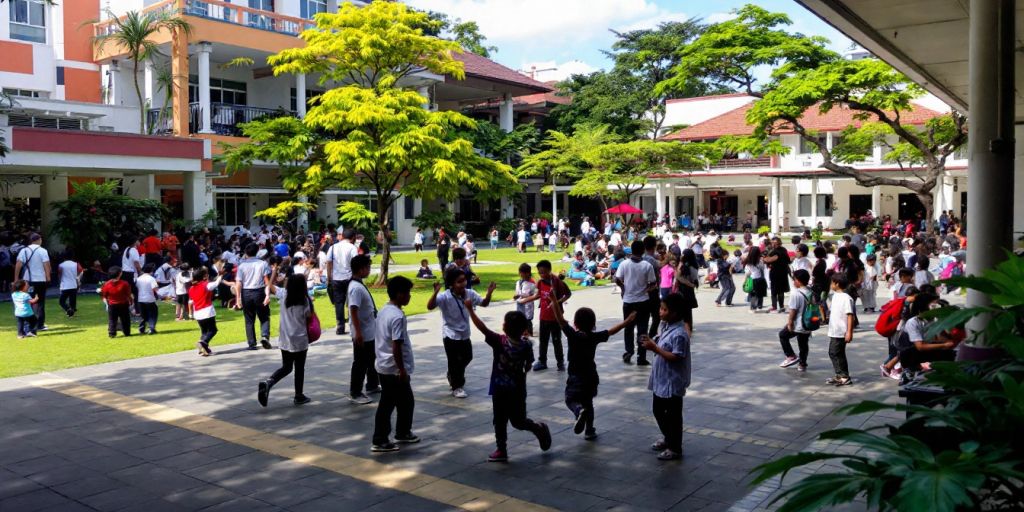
<point x="180" y="432"/>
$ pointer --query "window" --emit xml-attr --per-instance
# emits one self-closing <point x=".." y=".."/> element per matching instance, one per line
<point x="28" y="20"/>
<point x="808" y="147"/>
<point x="58" y="123"/>
<point x="824" y="206"/>
<point x="410" y="208"/>
<point x="23" y="93"/>
<point x="232" y="209"/>
<point x="259" y="21"/>
<point x="311" y="95"/>
<point x="312" y="7"/>
<point x="803" y="205"/>
<point x="221" y="91"/>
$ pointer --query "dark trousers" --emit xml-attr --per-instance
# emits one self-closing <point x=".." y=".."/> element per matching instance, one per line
<point x="550" y="330"/>
<point x="207" y="329"/>
<point x="129" y="277"/>
<point x="460" y="353"/>
<point x="912" y="358"/>
<point x="395" y="393"/>
<point x="442" y="261"/>
<point x="728" y="290"/>
<point x="38" y="289"/>
<point x="756" y="301"/>
<point x="579" y="396"/>
<point x="802" y="339"/>
<point x="339" y="295"/>
<point x="837" y="353"/>
<point x="252" y="308"/>
<point x="639" y="327"/>
<point x="653" y="306"/>
<point x="778" y="298"/>
<point x="26" y="325"/>
<point x="69" y="300"/>
<point x="289" y="360"/>
<point x="149" y="313"/>
<point x="115" y="313"/>
<point x="363" y="358"/>
<point x="668" y="412"/>
<point x="510" y="407"/>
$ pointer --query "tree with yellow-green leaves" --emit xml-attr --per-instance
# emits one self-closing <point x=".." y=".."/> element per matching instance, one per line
<point x="373" y="133"/>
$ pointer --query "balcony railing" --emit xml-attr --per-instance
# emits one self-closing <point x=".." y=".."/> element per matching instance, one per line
<point x="742" y="163"/>
<point x="227" y="12"/>
<point x="224" y="119"/>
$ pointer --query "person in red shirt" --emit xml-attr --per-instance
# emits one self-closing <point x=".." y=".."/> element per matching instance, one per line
<point x="549" y="328"/>
<point x="201" y="305"/>
<point x="170" y="244"/>
<point x="117" y="293"/>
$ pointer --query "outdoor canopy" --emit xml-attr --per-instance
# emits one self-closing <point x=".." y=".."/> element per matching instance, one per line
<point x="624" y="208"/>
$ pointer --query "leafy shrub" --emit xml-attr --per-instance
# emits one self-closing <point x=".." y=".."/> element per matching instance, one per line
<point x="94" y="212"/>
<point x="764" y="230"/>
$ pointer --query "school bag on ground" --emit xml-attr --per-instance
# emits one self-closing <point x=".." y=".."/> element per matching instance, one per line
<point x="810" y="317"/>
<point x="889" y="317"/>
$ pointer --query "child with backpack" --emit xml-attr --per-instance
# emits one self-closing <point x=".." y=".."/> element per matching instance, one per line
<point x="804" y="317"/>
<point x="913" y="344"/>
<point x="890" y="324"/>
<point x="513" y="355"/>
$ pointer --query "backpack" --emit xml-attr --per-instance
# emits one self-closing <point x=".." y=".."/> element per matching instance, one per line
<point x="810" y="317"/>
<point x="889" y="317"/>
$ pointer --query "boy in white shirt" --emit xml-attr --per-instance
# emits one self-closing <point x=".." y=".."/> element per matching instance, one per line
<point x="146" y="298"/>
<point x="526" y="291"/>
<point x="840" y="330"/>
<point x="69" y="273"/>
<point x="394" y="364"/>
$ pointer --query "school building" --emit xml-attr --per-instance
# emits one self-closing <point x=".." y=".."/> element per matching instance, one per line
<point x="794" y="185"/>
<point x="75" y="115"/>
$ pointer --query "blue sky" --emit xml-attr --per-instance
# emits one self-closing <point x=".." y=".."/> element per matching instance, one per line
<point x="569" y="34"/>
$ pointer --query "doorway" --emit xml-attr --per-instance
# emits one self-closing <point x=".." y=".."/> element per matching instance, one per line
<point x="910" y="207"/>
<point x="724" y="205"/>
<point x="762" y="207"/>
<point x="860" y="204"/>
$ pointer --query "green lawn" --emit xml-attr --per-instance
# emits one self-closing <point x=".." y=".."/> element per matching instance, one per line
<point x="484" y="253"/>
<point x="83" y="340"/>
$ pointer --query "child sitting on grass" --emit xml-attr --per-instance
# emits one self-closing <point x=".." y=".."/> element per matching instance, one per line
<point x="513" y="354"/>
<point x="424" y="271"/>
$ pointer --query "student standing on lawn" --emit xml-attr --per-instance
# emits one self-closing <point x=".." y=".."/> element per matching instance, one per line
<point x="33" y="265"/>
<point x="795" y="327"/>
<point x="339" y="273"/>
<point x="131" y="266"/>
<point x="637" y="279"/>
<point x="581" y="386"/>
<point x="23" y="313"/>
<point x="117" y="293"/>
<point x="513" y="354"/>
<point x="455" y="324"/>
<point x="252" y="287"/>
<point x="670" y="376"/>
<point x="394" y="366"/>
<point x="840" y="330"/>
<point x="293" y="337"/>
<point x="69" y="274"/>
<point x="182" y="282"/>
<point x="147" y="286"/>
<point x="200" y="296"/>
<point x="363" y="315"/>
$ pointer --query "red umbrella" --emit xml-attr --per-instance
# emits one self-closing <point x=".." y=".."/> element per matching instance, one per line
<point x="624" y="208"/>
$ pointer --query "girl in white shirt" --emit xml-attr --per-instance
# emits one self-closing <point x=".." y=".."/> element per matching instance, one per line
<point x="869" y="288"/>
<point x="69" y="272"/>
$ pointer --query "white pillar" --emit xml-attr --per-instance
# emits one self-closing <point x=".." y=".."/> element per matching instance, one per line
<point x="775" y="206"/>
<point x="943" y="195"/>
<point x="303" y="217"/>
<point x="204" y="87"/>
<point x="672" y="201"/>
<point x="425" y="92"/>
<point x="554" y="204"/>
<point x="52" y="189"/>
<point x="876" y="200"/>
<point x="196" y="198"/>
<point x="659" y="200"/>
<point x="114" y="92"/>
<point x="300" y="95"/>
<point x="814" y="202"/>
<point x="149" y="84"/>
<point x="330" y="211"/>
<point x="505" y="113"/>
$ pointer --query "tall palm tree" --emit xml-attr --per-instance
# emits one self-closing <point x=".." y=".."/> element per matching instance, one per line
<point x="133" y="32"/>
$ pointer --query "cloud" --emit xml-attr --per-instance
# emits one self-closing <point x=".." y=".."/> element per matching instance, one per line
<point x="545" y="21"/>
<point x="718" y="17"/>
<point x="552" y="70"/>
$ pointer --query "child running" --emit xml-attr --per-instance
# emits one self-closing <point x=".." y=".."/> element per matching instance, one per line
<point x="293" y="338"/>
<point x="670" y="376"/>
<point x="581" y="385"/>
<point x="513" y="354"/>
<point x="840" y="330"/>
<point x="23" y="312"/>
<point x="455" y="323"/>
<point x="117" y="293"/>
<point x="200" y="304"/>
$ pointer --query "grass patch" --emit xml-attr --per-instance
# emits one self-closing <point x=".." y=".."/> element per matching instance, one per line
<point x="83" y="340"/>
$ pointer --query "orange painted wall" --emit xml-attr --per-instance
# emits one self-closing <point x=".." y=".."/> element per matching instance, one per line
<point x="168" y="179"/>
<point x="17" y="57"/>
<point x="82" y="85"/>
<point x="240" y="178"/>
<point x="77" y="34"/>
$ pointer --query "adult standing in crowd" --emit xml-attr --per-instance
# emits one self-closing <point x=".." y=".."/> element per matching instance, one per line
<point x="636" y="278"/>
<point x="33" y="265"/>
<point x="339" y="272"/>
<point x="252" y="282"/>
<point x="778" y="274"/>
<point x="151" y="249"/>
<point x="131" y="266"/>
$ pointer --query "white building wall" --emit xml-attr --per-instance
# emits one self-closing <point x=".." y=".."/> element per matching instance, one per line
<point x="692" y="112"/>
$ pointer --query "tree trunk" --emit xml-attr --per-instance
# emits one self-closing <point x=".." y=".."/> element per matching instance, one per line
<point x="928" y="200"/>
<point x="385" y="242"/>
<point x="138" y="94"/>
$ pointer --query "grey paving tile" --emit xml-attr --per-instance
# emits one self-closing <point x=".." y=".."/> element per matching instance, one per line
<point x="118" y="499"/>
<point x="203" y="496"/>
<point x="155" y="479"/>
<point x="34" y="500"/>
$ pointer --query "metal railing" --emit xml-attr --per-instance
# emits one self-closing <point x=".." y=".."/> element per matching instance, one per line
<point x="224" y="11"/>
<point x="742" y="163"/>
<point x="224" y="118"/>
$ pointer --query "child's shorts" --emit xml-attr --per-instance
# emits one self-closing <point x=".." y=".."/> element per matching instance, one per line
<point x="182" y="299"/>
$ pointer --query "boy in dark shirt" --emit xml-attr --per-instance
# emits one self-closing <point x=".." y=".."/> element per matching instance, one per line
<point x="581" y="386"/>
<point x="513" y="354"/>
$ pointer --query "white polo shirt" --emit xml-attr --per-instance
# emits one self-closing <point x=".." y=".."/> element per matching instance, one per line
<point x="636" y="276"/>
<point x="341" y="255"/>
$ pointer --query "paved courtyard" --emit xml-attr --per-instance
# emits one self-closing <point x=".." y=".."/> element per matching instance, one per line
<point x="179" y="432"/>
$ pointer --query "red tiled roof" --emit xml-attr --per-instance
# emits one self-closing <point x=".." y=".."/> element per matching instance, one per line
<point x="485" y="68"/>
<point x="734" y="122"/>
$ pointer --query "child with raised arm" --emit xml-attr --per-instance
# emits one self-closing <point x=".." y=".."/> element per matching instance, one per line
<point x="200" y="304"/>
<point x="513" y="354"/>
<point x="581" y="385"/>
<point x="455" y="323"/>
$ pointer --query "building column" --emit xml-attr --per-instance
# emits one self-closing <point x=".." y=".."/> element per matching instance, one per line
<point x="991" y="144"/>
<point x="554" y="204"/>
<point x="149" y="84"/>
<point x="943" y="195"/>
<point x="876" y="200"/>
<point x="303" y="218"/>
<point x="179" y="72"/>
<point x="814" y="202"/>
<point x="53" y="188"/>
<point x="330" y="213"/>
<point x="659" y="199"/>
<point x="672" y="214"/>
<point x="197" y="198"/>
<point x="205" y="114"/>
<point x="775" y="206"/>
<point x="114" y="90"/>
<point x="505" y="113"/>
<point x="300" y="95"/>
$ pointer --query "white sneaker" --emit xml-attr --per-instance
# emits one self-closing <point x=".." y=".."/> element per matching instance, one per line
<point x="789" y="361"/>
<point x="360" y="399"/>
<point x="459" y="393"/>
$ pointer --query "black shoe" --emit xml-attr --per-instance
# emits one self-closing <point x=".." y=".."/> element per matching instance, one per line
<point x="252" y="347"/>
<point x="339" y="331"/>
<point x="142" y="329"/>
<point x="538" y="366"/>
<point x="301" y="400"/>
<point x="561" y="367"/>
<point x="581" y="422"/>
<point x="590" y="435"/>
<point x="627" y="358"/>
<point x="263" y="393"/>
<point x="375" y="389"/>
<point x="266" y="343"/>
<point x="112" y="336"/>
<point x="643" y="362"/>
<point x="385" y="447"/>
<point x="544" y="437"/>
<point x="409" y="438"/>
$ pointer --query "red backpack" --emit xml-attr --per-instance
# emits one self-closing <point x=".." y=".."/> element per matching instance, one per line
<point x="889" y="317"/>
